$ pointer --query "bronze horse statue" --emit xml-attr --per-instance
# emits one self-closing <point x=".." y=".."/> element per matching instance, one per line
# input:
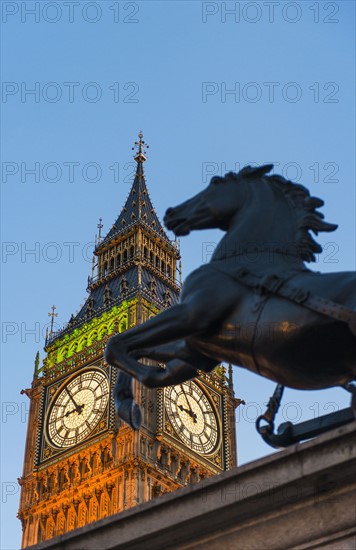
<point x="255" y="304"/>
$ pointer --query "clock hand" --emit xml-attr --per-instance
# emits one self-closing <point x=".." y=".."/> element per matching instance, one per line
<point x="72" y="399"/>
<point x="68" y="413"/>
<point x="78" y="410"/>
<point x="186" y="398"/>
<point x="190" y="412"/>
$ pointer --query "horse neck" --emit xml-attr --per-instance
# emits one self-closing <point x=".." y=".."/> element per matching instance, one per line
<point x="262" y="232"/>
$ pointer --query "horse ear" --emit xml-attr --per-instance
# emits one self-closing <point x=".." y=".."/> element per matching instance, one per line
<point x="260" y="171"/>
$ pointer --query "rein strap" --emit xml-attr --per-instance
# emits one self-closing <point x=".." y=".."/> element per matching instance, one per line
<point x="281" y="287"/>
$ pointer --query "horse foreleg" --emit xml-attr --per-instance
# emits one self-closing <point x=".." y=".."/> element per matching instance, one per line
<point x="177" y="371"/>
<point x="178" y="354"/>
<point x="125" y="406"/>
<point x="193" y="316"/>
<point x="170" y="325"/>
<point x="182" y="364"/>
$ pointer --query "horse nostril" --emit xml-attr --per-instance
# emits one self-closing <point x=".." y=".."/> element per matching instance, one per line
<point x="169" y="211"/>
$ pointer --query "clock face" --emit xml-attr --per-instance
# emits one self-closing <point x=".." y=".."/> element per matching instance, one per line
<point x="77" y="408"/>
<point x="193" y="417"/>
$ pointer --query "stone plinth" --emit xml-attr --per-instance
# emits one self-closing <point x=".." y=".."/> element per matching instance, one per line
<point x="300" y="498"/>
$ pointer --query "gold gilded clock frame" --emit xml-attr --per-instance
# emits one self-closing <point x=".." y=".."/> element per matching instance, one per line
<point x="216" y="395"/>
<point x="45" y="452"/>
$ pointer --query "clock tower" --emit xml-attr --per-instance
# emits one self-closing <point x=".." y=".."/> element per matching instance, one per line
<point x="81" y="464"/>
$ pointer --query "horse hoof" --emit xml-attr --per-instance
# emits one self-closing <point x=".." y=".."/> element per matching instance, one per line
<point x="128" y="411"/>
<point x="136" y="416"/>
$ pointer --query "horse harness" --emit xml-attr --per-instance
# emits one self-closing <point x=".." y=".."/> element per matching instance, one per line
<point x="280" y="286"/>
<point x="289" y="434"/>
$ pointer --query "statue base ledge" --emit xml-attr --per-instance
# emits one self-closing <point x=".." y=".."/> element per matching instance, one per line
<point x="300" y="498"/>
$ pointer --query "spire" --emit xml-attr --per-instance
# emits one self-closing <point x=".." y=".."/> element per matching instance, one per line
<point x="134" y="257"/>
<point x="52" y="315"/>
<point x="230" y="379"/>
<point x="140" y="156"/>
<point x="37" y="366"/>
<point x="138" y="206"/>
<point x="100" y="226"/>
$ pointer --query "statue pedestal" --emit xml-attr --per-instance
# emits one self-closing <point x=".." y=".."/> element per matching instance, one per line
<point x="300" y="498"/>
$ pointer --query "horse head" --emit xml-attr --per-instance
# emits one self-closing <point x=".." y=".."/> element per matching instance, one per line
<point x="265" y="198"/>
<point x="214" y="207"/>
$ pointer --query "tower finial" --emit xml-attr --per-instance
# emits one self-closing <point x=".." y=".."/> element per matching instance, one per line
<point x="140" y="146"/>
<point x="37" y="365"/>
<point x="52" y="315"/>
<point x="230" y="379"/>
<point x="100" y="226"/>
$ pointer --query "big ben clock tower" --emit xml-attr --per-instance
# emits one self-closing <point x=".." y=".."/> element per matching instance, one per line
<point x="81" y="464"/>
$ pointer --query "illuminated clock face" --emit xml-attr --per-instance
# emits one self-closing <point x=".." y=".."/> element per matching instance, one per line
<point x="77" y="408"/>
<point x="193" y="417"/>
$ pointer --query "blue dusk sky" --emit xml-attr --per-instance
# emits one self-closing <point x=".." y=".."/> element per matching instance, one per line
<point x="213" y="86"/>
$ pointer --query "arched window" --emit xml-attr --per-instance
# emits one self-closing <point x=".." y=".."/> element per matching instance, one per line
<point x="118" y="260"/>
<point x="92" y="337"/>
<point x="168" y="270"/>
<point x="82" y="515"/>
<point x="71" y="519"/>
<point x="104" y="505"/>
<point x="93" y="510"/>
<point x="72" y="348"/>
<point x="82" y="343"/>
<point x="125" y="256"/>
<point x="132" y="252"/>
<point x="111" y="327"/>
<point x="145" y="252"/>
<point x="112" y="264"/>
<point x="114" y="501"/>
<point x="105" y="270"/>
<point x="151" y="257"/>
<point x="123" y="324"/>
<point x="61" y="520"/>
<point x="163" y="266"/>
<point x="49" y="528"/>
<point x="102" y="331"/>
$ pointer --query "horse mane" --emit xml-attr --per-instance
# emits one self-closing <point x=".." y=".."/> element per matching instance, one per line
<point x="304" y="208"/>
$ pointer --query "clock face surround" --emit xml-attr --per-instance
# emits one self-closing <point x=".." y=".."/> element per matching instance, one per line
<point x="77" y="408"/>
<point x="193" y="417"/>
